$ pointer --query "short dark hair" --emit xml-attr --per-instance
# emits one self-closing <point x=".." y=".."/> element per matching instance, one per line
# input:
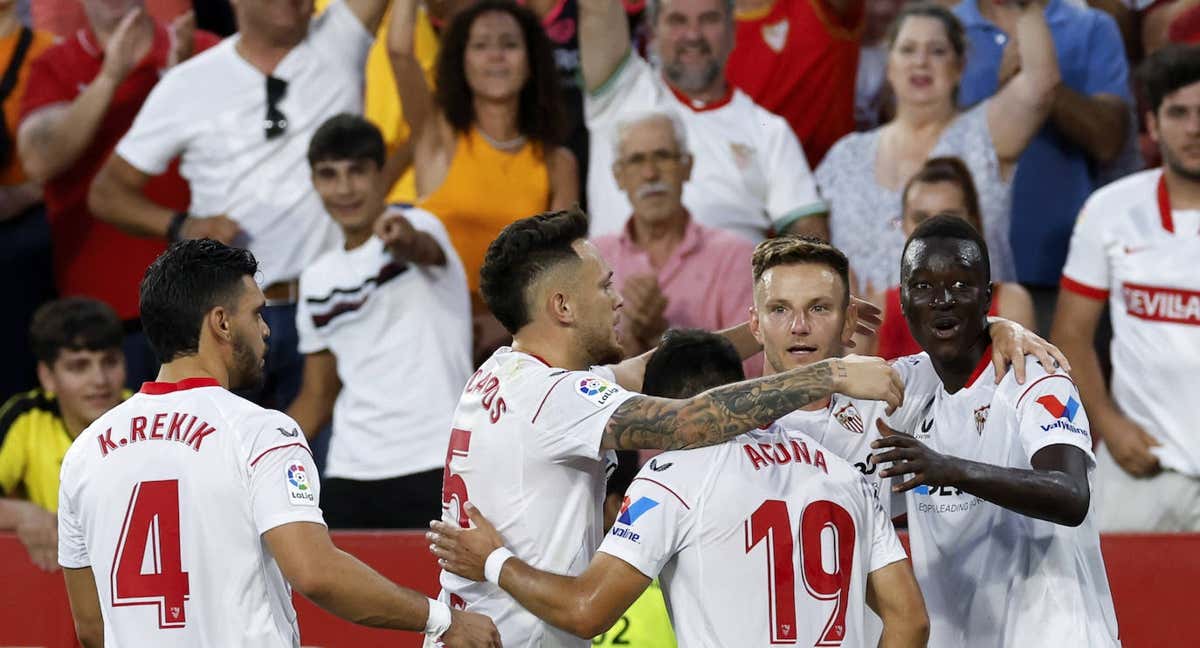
<point x="792" y="250"/>
<point x="347" y="137"/>
<point x="622" y="476"/>
<point x="182" y="285"/>
<point x="540" y="113"/>
<point x="954" y="171"/>
<point x="953" y="26"/>
<point x="949" y="227"/>
<point x="74" y="324"/>
<point x="690" y="361"/>
<point x="1168" y="70"/>
<point x="522" y="253"/>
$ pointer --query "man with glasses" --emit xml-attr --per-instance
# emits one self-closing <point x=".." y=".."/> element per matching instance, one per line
<point x="671" y="271"/>
<point x="241" y="117"/>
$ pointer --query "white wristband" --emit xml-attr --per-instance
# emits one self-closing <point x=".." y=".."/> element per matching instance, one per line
<point x="495" y="562"/>
<point x="439" y="619"/>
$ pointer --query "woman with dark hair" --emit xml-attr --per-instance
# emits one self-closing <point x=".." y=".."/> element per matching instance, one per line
<point x="942" y="187"/>
<point x="487" y="141"/>
<point x="862" y="175"/>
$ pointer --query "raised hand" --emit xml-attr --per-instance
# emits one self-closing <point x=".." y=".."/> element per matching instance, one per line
<point x="183" y="38"/>
<point x="121" y="51"/>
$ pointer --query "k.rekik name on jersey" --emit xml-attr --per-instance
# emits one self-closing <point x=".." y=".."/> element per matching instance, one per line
<point x="181" y="427"/>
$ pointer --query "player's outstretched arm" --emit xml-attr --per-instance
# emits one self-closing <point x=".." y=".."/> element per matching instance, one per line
<point x="85" y="606"/>
<point x="893" y="593"/>
<point x="345" y="586"/>
<point x="1056" y="489"/>
<point x="584" y="605"/>
<point x="725" y="412"/>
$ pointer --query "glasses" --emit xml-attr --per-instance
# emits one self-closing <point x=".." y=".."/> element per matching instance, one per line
<point x="276" y="122"/>
<point x="659" y="158"/>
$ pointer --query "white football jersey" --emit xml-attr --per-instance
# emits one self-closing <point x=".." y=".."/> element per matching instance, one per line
<point x="847" y="427"/>
<point x="1133" y="250"/>
<point x="525" y="451"/>
<point x="763" y="540"/>
<point x="166" y="498"/>
<point x="993" y="577"/>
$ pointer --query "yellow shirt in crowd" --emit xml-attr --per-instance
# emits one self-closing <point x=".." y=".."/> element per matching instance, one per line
<point x="644" y="625"/>
<point x="382" y="99"/>
<point x="34" y="441"/>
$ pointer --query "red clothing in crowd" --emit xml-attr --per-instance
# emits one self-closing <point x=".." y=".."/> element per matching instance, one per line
<point x="798" y="60"/>
<point x="895" y="340"/>
<point x="91" y="257"/>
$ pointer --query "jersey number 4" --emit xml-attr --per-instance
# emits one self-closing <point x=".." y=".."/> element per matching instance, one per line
<point x="772" y="522"/>
<point x="147" y="568"/>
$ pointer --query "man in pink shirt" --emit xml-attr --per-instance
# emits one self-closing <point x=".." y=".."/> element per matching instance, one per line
<point x="670" y="270"/>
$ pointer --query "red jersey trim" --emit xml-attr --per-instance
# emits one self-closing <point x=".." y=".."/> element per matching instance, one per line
<point x="548" y="392"/>
<point x="279" y="447"/>
<point x="984" y="362"/>
<point x="1083" y="289"/>
<point x="1034" y="384"/>
<point x="160" y="388"/>
<point x="666" y="488"/>
<point x="702" y="106"/>
<point x="1164" y="204"/>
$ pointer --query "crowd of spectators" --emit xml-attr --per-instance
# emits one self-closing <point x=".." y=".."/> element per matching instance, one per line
<point x="368" y="151"/>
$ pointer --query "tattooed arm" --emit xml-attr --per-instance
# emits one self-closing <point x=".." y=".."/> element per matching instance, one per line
<point x="725" y="412"/>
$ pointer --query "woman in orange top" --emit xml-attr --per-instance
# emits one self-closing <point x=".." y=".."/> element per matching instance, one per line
<point x="943" y="186"/>
<point x="486" y="145"/>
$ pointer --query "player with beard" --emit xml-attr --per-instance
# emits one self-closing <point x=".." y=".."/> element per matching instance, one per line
<point x="536" y="424"/>
<point x="997" y="476"/>
<point x="223" y="494"/>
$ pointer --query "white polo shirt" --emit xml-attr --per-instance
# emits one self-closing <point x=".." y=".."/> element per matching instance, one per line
<point x="993" y="578"/>
<point x="766" y="539"/>
<point x="210" y="111"/>
<point x="1132" y="249"/>
<point x="166" y="497"/>
<point x="401" y="335"/>
<point x="749" y="171"/>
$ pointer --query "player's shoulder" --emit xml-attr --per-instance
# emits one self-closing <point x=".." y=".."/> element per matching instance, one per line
<point x="778" y="445"/>
<point x="1037" y="379"/>
<point x="321" y="275"/>
<point x="917" y="372"/>
<point x="1111" y="203"/>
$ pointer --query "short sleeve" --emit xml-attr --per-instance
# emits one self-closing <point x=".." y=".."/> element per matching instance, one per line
<point x="885" y="544"/>
<point x="1050" y="412"/>
<point x="792" y="192"/>
<point x="72" y="547"/>
<point x="308" y="339"/>
<point x="284" y="485"/>
<point x="1087" y="271"/>
<point x="630" y="88"/>
<point x="1108" y="69"/>
<point x="157" y="135"/>
<point x="339" y="34"/>
<point x="654" y="524"/>
<point x="572" y="416"/>
<point x="45" y="86"/>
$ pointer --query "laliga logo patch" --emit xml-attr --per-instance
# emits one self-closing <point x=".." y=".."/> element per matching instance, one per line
<point x="596" y="391"/>
<point x="299" y="490"/>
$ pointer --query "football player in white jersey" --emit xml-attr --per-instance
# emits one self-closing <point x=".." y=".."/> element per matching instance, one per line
<point x="997" y="476"/>
<point x="534" y="425"/>
<point x="765" y="539"/>
<point x="803" y="314"/>
<point x="186" y="511"/>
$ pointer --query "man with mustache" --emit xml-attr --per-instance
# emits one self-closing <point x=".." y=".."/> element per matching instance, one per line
<point x="670" y="270"/>
<point x="750" y="173"/>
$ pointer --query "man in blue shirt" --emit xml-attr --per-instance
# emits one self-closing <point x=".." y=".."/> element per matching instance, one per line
<point x="1087" y="128"/>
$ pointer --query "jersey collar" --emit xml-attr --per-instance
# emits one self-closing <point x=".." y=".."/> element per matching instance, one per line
<point x="703" y="106"/>
<point x="1164" y="204"/>
<point x="984" y="362"/>
<point x="160" y="388"/>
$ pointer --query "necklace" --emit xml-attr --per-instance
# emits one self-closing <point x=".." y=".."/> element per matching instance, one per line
<point x="506" y="145"/>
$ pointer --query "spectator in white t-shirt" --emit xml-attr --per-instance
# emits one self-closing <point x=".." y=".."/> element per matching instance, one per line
<point x="240" y="116"/>
<point x="385" y="326"/>
<point x="750" y="174"/>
